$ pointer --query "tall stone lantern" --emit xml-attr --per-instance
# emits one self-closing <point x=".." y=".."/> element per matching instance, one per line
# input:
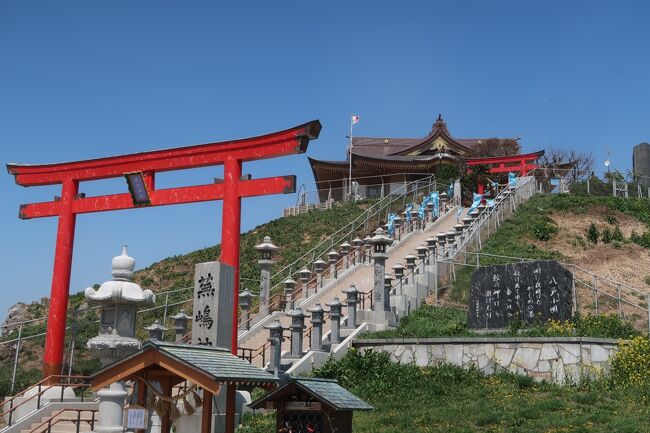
<point x="267" y="252"/>
<point x="379" y="242"/>
<point x="119" y="300"/>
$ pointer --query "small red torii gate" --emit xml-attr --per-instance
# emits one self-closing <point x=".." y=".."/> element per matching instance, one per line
<point x="520" y="164"/>
<point x="230" y="154"/>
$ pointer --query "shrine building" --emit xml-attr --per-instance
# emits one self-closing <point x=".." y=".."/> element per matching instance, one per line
<point x="381" y="165"/>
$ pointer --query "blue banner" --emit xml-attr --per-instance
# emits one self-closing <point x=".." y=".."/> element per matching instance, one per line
<point x="391" y="224"/>
<point x="450" y="191"/>
<point x="489" y="203"/>
<point x="425" y="200"/>
<point x="435" y="200"/>
<point x="409" y="208"/>
<point x="512" y="180"/>
<point x="475" y="202"/>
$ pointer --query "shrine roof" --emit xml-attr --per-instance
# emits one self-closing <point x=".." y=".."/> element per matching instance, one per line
<point x="325" y="390"/>
<point x="213" y="363"/>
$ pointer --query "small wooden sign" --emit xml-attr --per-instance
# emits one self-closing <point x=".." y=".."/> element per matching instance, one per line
<point x="303" y="405"/>
<point x="136" y="417"/>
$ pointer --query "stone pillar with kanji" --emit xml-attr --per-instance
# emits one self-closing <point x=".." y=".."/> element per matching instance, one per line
<point x="379" y="255"/>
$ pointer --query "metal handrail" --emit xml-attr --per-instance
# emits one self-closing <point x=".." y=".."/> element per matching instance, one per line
<point x="53" y="420"/>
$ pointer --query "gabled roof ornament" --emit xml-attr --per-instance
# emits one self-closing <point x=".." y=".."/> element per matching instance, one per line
<point x="439" y="125"/>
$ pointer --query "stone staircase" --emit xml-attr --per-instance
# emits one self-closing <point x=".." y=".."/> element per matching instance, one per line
<point x="360" y="275"/>
<point x="64" y="421"/>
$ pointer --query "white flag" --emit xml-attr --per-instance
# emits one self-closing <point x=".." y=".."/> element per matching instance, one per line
<point x="355" y="119"/>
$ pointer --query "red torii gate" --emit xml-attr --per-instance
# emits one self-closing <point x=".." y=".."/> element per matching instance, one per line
<point x="520" y="164"/>
<point x="229" y="153"/>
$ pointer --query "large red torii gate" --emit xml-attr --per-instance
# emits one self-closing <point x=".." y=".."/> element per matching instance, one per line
<point x="230" y="154"/>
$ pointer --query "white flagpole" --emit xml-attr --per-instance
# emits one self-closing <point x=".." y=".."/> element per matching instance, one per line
<point x="350" y="158"/>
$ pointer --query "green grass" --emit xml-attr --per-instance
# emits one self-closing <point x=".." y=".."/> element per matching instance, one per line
<point x="432" y="322"/>
<point x="453" y="400"/>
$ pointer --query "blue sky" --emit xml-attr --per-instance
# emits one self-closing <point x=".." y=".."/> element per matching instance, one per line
<point x="83" y="79"/>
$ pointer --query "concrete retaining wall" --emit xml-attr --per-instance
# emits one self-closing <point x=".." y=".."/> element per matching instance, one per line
<point x="559" y="360"/>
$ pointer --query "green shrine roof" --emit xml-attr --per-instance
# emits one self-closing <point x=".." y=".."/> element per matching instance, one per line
<point x="216" y="362"/>
<point x="326" y="390"/>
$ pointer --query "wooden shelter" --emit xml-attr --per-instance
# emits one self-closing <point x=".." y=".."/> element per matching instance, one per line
<point x="312" y="405"/>
<point x="171" y="364"/>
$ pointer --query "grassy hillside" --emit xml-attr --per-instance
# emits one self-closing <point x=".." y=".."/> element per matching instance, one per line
<point x="555" y="226"/>
<point x="294" y="235"/>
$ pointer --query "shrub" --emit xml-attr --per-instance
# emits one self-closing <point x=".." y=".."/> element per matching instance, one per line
<point x="617" y="245"/>
<point x="592" y="233"/>
<point x="612" y="220"/>
<point x="631" y="364"/>
<point x="543" y="230"/>
<point x="618" y="235"/>
<point x="641" y="240"/>
<point x="606" y="236"/>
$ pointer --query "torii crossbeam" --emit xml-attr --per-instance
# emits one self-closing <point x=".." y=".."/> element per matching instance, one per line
<point x="230" y="154"/>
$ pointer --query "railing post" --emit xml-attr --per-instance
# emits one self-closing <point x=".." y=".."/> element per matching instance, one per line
<point x="620" y="305"/>
<point x="78" y="420"/>
<point x="13" y="375"/>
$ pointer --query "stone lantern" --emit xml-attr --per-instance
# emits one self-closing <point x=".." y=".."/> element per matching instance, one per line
<point x="156" y="331"/>
<point x="431" y="246"/>
<point x="415" y="220"/>
<point x="305" y="275"/>
<point x="351" y="294"/>
<point x="429" y="211"/>
<point x="119" y="300"/>
<point x="357" y="244"/>
<point x="451" y="238"/>
<point x="367" y="241"/>
<point x="467" y="221"/>
<point x="267" y="252"/>
<point x="410" y="265"/>
<point x="335" y="319"/>
<point x="442" y="240"/>
<point x="443" y="202"/>
<point x="319" y="267"/>
<point x="379" y="242"/>
<point x="344" y="248"/>
<point x="245" y="303"/>
<point x="480" y="208"/>
<point x="180" y="325"/>
<point x="276" y="338"/>
<point x="317" y="322"/>
<point x="399" y="275"/>
<point x="289" y="287"/>
<point x="473" y="214"/>
<point x="332" y="259"/>
<point x="297" y="327"/>
<point x="388" y="284"/>
<point x="422" y="256"/>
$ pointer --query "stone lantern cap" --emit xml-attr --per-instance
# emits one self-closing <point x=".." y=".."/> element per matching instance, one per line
<point x="121" y="290"/>
<point x="388" y="278"/>
<point x="289" y="283"/>
<point x="333" y="255"/>
<point x="398" y="268"/>
<point x="431" y="241"/>
<point x="443" y="195"/>
<point x="451" y="235"/>
<point x="316" y="309"/>
<point x="480" y="207"/>
<point x="275" y="326"/>
<point x="367" y="240"/>
<point x="319" y="265"/>
<point x="350" y="290"/>
<point x="182" y="316"/>
<point x="245" y="297"/>
<point x="410" y="259"/>
<point x="421" y="249"/>
<point x="334" y="304"/>
<point x="345" y="247"/>
<point x="473" y="213"/>
<point x="380" y="238"/>
<point x="304" y="273"/>
<point x="397" y="221"/>
<point x="266" y="245"/>
<point x="357" y="242"/>
<point x="296" y="313"/>
<point x="459" y="228"/>
<point x="155" y="326"/>
<point x="467" y="221"/>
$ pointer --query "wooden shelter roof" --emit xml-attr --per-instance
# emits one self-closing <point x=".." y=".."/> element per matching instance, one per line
<point x="205" y="366"/>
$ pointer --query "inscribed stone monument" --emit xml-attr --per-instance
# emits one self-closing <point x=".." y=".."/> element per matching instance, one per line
<point x="527" y="292"/>
<point x="213" y="304"/>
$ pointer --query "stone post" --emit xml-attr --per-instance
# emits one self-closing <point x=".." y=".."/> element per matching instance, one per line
<point x="289" y="287"/>
<point x="380" y="241"/>
<point x="429" y="211"/>
<point x="422" y="257"/>
<point x="276" y="339"/>
<point x="410" y="265"/>
<point x="388" y="284"/>
<point x="246" y="302"/>
<point x="319" y="267"/>
<point x="332" y="259"/>
<point x="415" y="220"/>
<point x="399" y="275"/>
<point x="345" y="253"/>
<point x="357" y="244"/>
<point x="442" y="240"/>
<point x="431" y="246"/>
<point x="297" y="327"/>
<point x="155" y="330"/>
<point x="317" y="321"/>
<point x="451" y="238"/>
<point x="399" y="226"/>
<point x="443" y="197"/>
<point x="467" y="221"/>
<point x="305" y="275"/>
<point x="351" y="294"/>
<point x="459" y="228"/>
<point x="367" y="254"/>
<point x="473" y="214"/>
<point x="180" y="325"/>
<point x="335" y="319"/>
<point x="266" y="250"/>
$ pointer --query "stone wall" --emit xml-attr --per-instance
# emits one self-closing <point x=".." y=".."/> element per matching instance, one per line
<point x="559" y="360"/>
